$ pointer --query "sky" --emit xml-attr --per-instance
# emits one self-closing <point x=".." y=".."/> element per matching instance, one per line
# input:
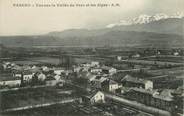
<point x="41" y="20"/>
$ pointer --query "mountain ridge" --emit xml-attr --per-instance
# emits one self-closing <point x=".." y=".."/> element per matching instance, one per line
<point x="161" y="33"/>
<point x="112" y="38"/>
<point x="145" y="19"/>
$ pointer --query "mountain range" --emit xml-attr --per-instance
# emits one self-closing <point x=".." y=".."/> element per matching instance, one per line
<point x="159" y="30"/>
<point x="145" y="19"/>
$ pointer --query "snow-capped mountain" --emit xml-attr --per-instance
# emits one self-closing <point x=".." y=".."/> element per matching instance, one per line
<point x="165" y="31"/>
<point x="145" y="19"/>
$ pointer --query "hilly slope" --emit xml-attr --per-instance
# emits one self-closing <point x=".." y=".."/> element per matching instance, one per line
<point x="111" y="38"/>
<point x="166" y="26"/>
<point x="162" y="33"/>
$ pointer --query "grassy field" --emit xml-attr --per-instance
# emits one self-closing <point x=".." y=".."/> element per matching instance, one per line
<point x="47" y="60"/>
<point x="56" y="110"/>
<point x="32" y="96"/>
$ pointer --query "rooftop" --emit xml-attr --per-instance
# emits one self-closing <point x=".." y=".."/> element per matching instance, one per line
<point x="165" y="98"/>
<point x="134" y="79"/>
<point x="164" y="95"/>
<point x="106" y="68"/>
<point x="7" y="77"/>
<point x="50" y="78"/>
<point x="27" y="72"/>
<point x="102" y="79"/>
<point x="91" y="94"/>
<point x="151" y="92"/>
<point x="112" y="82"/>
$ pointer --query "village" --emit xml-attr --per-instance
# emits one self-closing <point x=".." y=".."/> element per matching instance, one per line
<point x="129" y="86"/>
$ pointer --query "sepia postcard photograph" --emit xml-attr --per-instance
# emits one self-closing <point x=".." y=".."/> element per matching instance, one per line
<point x="91" y="57"/>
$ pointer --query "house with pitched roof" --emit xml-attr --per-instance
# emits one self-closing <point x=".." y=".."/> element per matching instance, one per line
<point x="110" y="86"/>
<point x="94" y="97"/>
<point x="27" y="76"/>
<point x="97" y="82"/>
<point x="129" y="81"/>
<point x="108" y="70"/>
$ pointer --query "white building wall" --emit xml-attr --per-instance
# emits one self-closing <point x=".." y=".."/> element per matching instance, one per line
<point x="41" y="77"/>
<point x="113" y="87"/>
<point x="94" y="63"/>
<point x="149" y="85"/>
<point x="112" y="71"/>
<point x="96" y="70"/>
<point x="10" y="83"/>
<point x="27" y="77"/>
<point x="58" y="72"/>
<point x="98" y="97"/>
<point x="17" y="75"/>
